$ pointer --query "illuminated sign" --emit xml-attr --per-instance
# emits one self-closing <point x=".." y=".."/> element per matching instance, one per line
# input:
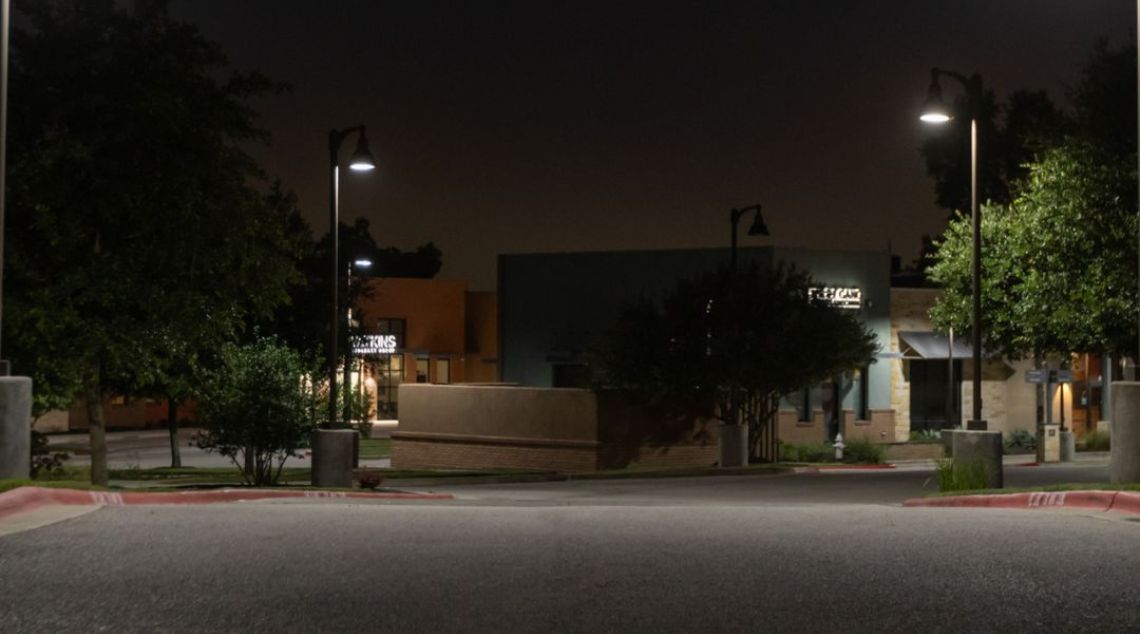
<point x="374" y="344"/>
<point x="845" y="297"/>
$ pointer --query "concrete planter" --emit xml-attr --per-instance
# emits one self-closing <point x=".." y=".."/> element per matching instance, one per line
<point x="733" y="445"/>
<point x="15" y="426"/>
<point x="1124" y="460"/>
<point x="333" y="453"/>
<point x="974" y="447"/>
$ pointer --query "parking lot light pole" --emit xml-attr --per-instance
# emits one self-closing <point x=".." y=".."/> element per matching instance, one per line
<point x="361" y="161"/>
<point x="936" y="112"/>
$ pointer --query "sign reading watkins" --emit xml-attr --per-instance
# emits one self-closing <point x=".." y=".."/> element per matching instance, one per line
<point x="838" y="296"/>
<point x="374" y="344"/>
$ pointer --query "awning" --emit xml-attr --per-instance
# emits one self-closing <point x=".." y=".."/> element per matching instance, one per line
<point x="930" y="345"/>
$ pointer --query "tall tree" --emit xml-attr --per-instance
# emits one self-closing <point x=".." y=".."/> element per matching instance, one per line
<point x="1059" y="260"/>
<point x="728" y="346"/>
<point x="136" y="233"/>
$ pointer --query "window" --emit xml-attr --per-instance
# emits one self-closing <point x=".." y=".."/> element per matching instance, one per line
<point x="862" y="411"/>
<point x="804" y="408"/>
<point x="443" y="370"/>
<point x="422" y="369"/>
<point x="392" y="326"/>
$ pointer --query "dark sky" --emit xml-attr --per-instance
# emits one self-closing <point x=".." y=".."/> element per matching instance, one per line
<point x="551" y="126"/>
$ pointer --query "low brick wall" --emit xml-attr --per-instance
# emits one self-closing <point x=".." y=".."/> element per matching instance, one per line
<point x="880" y="428"/>
<point x="496" y="426"/>
<point x="794" y="431"/>
<point x="913" y="451"/>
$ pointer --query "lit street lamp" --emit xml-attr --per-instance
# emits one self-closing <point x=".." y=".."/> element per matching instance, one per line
<point x="359" y="263"/>
<point x="361" y="161"/>
<point x="936" y="112"/>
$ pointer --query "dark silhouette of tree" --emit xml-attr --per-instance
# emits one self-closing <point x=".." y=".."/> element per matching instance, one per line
<point x="728" y="346"/>
<point x="137" y="236"/>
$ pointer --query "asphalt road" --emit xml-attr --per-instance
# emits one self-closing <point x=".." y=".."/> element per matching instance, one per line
<point x="889" y="486"/>
<point x="536" y="567"/>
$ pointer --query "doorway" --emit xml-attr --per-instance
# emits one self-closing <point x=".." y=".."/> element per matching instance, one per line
<point x="935" y="401"/>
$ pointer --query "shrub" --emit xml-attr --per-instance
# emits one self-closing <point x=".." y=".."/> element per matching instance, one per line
<point x="1098" y="440"/>
<point x="925" y="435"/>
<point x="863" y="451"/>
<point x="256" y="409"/>
<point x="1021" y="440"/>
<point x="43" y="460"/>
<point x="789" y="452"/>
<point x="817" y="452"/>
<point x="370" y="480"/>
<point x="962" y="476"/>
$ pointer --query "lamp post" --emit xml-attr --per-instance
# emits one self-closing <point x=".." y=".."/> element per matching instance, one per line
<point x="734" y="437"/>
<point x="361" y="161"/>
<point x="936" y="112"/>
<point x="360" y="263"/>
<point x="758" y="228"/>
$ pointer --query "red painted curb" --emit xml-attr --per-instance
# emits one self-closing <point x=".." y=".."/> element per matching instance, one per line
<point x="1120" y="501"/>
<point x="1029" y="464"/>
<point x="28" y="498"/>
<point x="860" y="467"/>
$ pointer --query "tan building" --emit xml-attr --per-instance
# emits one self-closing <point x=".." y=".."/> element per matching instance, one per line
<point x="421" y="331"/>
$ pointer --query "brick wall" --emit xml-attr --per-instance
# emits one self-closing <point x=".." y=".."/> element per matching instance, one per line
<point x="796" y="432"/>
<point x="879" y="428"/>
<point x="412" y="452"/>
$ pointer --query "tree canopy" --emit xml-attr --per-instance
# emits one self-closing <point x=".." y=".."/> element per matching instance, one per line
<point x="137" y="230"/>
<point x="1059" y="262"/>
<point x="729" y="346"/>
<point x="1059" y="258"/>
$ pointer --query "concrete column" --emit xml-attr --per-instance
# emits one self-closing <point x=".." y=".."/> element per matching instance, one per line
<point x="1124" y="463"/>
<point x="332" y="457"/>
<point x="984" y="447"/>
<point x="15" y="426"/>
<point x="733" y="445"/>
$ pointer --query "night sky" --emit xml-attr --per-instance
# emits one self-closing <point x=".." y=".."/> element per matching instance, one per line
<point x="565" y="126"/>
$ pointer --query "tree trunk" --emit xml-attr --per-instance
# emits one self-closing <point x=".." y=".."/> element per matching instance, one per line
<point x="172" y="424"/>
<point x="97" y="430"/>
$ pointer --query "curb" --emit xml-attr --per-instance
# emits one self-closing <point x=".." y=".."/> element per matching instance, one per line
<point x="28" y="498"/>
<point x="1102" y="501"/>
<point x="856" y="467"/>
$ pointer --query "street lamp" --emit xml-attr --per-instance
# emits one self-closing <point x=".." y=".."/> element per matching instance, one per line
<point x="359" y="263"/>
<point x="935" y="112"/>
<point x="361" y="161"/>
<point x="758" y="228"/>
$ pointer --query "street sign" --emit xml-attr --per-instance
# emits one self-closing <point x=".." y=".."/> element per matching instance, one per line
<point x="1036" y="376"/>
<point x="1062" y="376"/>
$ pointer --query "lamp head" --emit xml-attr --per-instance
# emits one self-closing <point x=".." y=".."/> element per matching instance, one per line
<point x="935" y="110"/>
<point x="758" y="228"/>
<point x="362" y="263"/>
<point x="362" y="160"/>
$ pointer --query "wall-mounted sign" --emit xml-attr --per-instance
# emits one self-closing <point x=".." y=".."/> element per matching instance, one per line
<point x="846" y="297"/>
<point x="1036" y="376"/>
<point x="374" y="344"/>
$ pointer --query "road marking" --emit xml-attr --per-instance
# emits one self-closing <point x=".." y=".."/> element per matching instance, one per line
<point x="1041" y="499"/>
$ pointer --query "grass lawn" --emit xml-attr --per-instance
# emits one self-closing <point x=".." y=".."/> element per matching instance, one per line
<point x="373" y="448"/>
<point x="8" y="485"/>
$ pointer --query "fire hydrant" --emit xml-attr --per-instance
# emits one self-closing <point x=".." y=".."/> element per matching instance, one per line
<point x="839" y="447"/>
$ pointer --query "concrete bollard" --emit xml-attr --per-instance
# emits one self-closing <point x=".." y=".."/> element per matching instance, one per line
<point x="1124" y="461"/>
<point x="733" y="446"/>
<point x="332" y="457"/>
<point x="15" y="427"/>
<point x="979" y="447"/>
